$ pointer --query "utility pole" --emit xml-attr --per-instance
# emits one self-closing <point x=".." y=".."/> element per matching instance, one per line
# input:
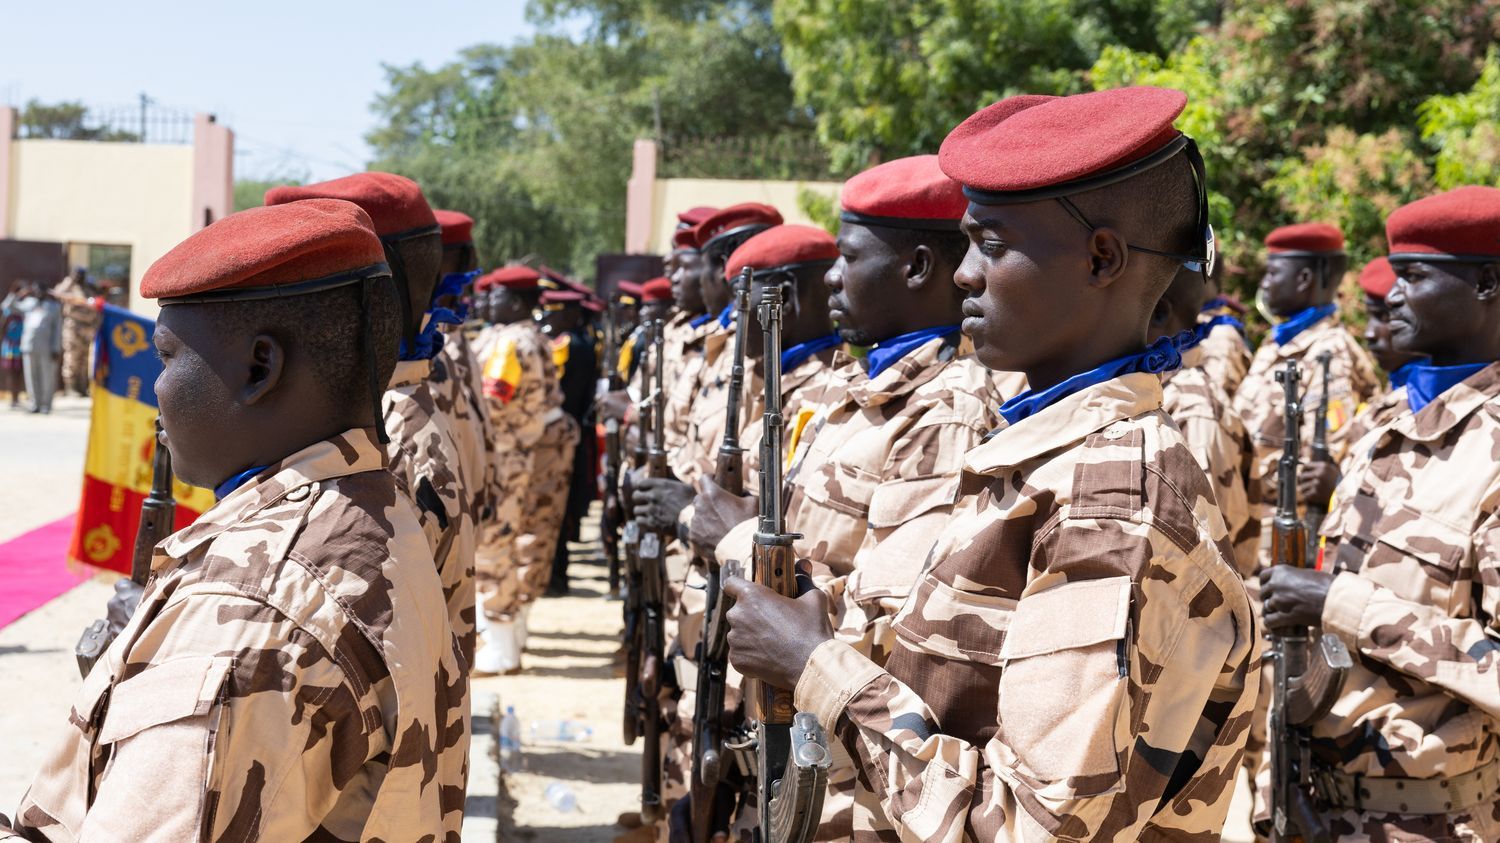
<point x="145" y="101"/>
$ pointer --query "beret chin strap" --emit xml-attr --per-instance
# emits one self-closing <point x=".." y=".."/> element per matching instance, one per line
<point x="1431" y="257"/>
<point x="277" y="291"/>
<point x="904" y="223"/>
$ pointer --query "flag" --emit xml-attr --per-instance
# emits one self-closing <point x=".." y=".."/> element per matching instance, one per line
<point x="122" y="441"/>
<point x="502" y="370"/>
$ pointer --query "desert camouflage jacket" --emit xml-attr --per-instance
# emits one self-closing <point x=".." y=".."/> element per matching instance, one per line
<point x="1414" y="541"/>
<point x="1219" y="443"/>
<point x="705" y="412"/>
<point x="1381" y="410"/>
<point x="1226" y="358"/>
<point x="683" y="351"/>
<point x="476" y="436"/>
<point x="289" y="675"/>
<point x="1260" y="403"/>
<point x="1079" y="660"/>
<point x="802" y="388"/>
<point x="519" y="382"/>
<point x="426" y="460"/>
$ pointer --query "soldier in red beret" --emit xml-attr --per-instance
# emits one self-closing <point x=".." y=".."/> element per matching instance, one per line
<point x="1411" y="573"/>
<point x="424" y="447"/>
<point x="290" y="673"/>
<point x="565" y="319"/>
<point x="533" y="456"/>
<point x="1078" y="657"/>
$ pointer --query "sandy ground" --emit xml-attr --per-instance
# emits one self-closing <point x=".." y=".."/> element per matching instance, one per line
<point x="569" y="669"/>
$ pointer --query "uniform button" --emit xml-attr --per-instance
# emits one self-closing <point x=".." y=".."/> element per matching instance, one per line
<point x="299" y="494"/>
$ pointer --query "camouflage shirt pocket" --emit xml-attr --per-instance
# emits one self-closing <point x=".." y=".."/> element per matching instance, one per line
<point x="1418" y="557"/>
<point x="1064" y="683"/>
<point x="842" y="488"/>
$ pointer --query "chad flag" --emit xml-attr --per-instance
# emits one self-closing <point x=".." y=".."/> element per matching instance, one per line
<point x="122" y="439"/>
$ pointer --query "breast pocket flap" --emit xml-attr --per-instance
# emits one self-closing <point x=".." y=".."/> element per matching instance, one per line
<point x="1067" y="617"/>
<point x="164" y="693"/>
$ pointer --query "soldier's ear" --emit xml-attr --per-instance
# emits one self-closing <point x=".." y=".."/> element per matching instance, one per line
<point x="1306" y="279"/>
<point x="919" y="269"/>
<point x="267" y="360"/>
<point x="1488" y="283"/>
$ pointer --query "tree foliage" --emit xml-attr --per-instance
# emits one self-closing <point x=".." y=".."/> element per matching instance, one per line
<point x="66" y="121"/>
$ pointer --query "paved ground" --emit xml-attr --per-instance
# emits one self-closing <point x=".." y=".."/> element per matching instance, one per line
<point x="569" y="673"/>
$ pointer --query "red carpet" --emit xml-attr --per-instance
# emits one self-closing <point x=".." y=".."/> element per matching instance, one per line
<point x="33" y="569"/>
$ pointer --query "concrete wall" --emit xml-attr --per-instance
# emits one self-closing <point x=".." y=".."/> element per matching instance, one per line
<point x="145" y="196"/>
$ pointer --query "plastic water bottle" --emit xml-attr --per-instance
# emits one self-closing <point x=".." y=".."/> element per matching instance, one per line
<point x="561" y="731"/>
<point x="561" y="797"/>
<point x="510" y="740"/>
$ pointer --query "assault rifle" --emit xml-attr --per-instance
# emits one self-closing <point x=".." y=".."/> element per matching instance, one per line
<point x="158" y="511"/>
<point x="612" y="508"/>
<point x="1308" y="679"/>
<point x="1318" y="510"/>
<point x="630" y="544"/>
<point x="650" y="583"/>
<point x="713" y="649"/>
<point x="791" y="751"/>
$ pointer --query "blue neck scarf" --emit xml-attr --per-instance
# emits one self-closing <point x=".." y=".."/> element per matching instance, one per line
<point x="726" y="316"/>
<point x="885" y="354"/>
<point x="1161" y="356"/>
<point x="1221" y="319"/>
<point x="453" y="284"/>
<point x="1288" y="330"/>
<point x="223" y="490"/>
<point x="793" y="357"/>
<point x="1425" y="382"/>
<point x="428" y="342"/>
<point x="700" y="320"/>
<point x="1402" y="375"/>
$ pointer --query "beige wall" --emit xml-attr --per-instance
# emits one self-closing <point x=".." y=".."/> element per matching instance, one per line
<point x="673" y="196"/>
<point x="137" y="195"/>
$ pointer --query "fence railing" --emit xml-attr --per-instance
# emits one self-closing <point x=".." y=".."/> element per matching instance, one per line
<point x="122" y="124"/>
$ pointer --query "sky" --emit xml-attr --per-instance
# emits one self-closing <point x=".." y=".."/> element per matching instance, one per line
<point x="294" y="80"/>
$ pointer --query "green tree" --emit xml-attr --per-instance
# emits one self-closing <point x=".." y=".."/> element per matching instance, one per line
<point x="1464" y="129"/>
<point x="65" y="121"/>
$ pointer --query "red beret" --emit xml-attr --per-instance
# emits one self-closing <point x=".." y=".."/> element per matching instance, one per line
<point x="685" y="240"/>
<point x="563" y="297"/>
<point x="905" y="193"/>
<point x="783" y="246"/>
<point x="693" y="216"/>
<point x="1377" y="278"/>
<point x="458" y="227"/>
<point x="628" y="288"/>
<point x="1306" y="239"/>
<point x="517" y="277"/>
<point x="734" y="219"/>
<point x="1460" y="225"/>
<point x="325" y="241"/>
<point x="657" y="289"/>
<point x="395" y="203"/>
<point x="1032" y="147"/>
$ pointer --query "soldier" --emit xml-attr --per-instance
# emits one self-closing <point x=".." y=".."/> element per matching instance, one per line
<point x="460" y="392"/>
<point x="1303" y="270"/>
<point x="532" y="434"/>
<point x="1078" y="659"/>
<point x="290" y="673"/>
<point x="424" y="452"/>
<point x="576" y="358"/>
<point x="1411" y="578"/>
<point x="1376" y="280"/>
<point x="875" y="472"/>
<point x="80" y="321"/>
<point x="1194" y="399"/>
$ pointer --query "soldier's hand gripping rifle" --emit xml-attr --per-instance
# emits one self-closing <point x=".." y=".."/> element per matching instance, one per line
<point x="791" y="751"/>
<point x="713" y="649"/>
<point x="1309" y="675"/>
<point x="652" y="575"/>
<point x="630" y="542"/>
<point x="157" y="513"/>
<point x="1318" y="510"/>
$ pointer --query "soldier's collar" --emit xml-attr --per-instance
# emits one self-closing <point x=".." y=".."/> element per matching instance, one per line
<point x="1451" y="408"/>
<point x="915" y="368"/>
<point x="1067" y="422"/>
<point x="351" y="452"/>
<point x="410" y="373"/>
<point x="1305" y="338"/>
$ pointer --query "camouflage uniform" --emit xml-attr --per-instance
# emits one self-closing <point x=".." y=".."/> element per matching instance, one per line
<point x="80" y="321"/>
<point x="1381" y="410"/>
<point x="424" y="457"/>
<point x="464" y="391"/>
<point x="289" y="675"/>
<point x="1260" y="404"/>
<point x="1226" y="357"/>
<point x="1414" y="544"/>
<point x="517" y="385"/>
<point x="1220" y="444"/>
<point x="995" y="720"/>
<point x="546" y="495"/>
<point x="699" y="368"/>
<point x="873" y="479"/>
